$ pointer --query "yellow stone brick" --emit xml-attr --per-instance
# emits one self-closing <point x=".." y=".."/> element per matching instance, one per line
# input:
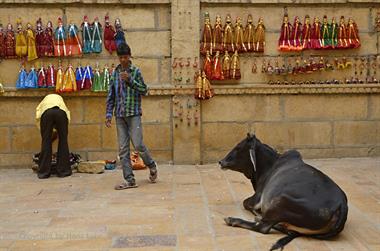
<point x="164" y="17"/>
<point x="186" y="145"/>
<point x="102" y="155"/>
<point x="242" y="108"/>
<point x="156" y="109"/>
<point x="18" y="111"/>
<point x="157" y="137"/>
<point x="84" y="137"/>
<point x="156" y="43"/>
<point x="374" y="106"/>
<point x="356" y="133"/>
<point x="223" y="136"/>
<point x="131" y="18"/>
<point x="149" y="69"/>
<point x="165" y="71"/>
<point x="15" y="160"/>
<point x="75" y="106"/>
<point x="110" y="137"/>
<point x="5" y="145"/>
<point x="26" y="139"/>
<point x="213" y="156"/>
<point x="294" y="134"/>
<point x="325" y="107"/>
<point x="95" y="110"/>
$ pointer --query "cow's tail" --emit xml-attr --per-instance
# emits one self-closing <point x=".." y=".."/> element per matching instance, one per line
<point x="341" y="214"/>
<point x="285" y="240"/>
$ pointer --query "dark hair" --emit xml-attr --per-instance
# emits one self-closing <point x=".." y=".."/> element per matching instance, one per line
<point x="123" y="49"/>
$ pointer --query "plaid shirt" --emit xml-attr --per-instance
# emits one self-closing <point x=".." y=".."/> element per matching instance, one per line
<point x="124" y="97"/>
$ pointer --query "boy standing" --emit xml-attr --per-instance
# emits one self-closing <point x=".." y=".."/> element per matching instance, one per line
<point x="124" y="101"/>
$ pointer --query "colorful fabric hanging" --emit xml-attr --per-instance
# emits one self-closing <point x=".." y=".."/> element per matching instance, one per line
<point x="69" y="83"/>
<point x="96" y="41"/>
<point x="73" y="41"/>
<point x="10" y="42"/>
<point x="41" y="76"/>
<point x="97" y="83"/>
<point x="109" y="36"/>
<point x="87" y="78"/>
<point x="60" y="46"/>
<point x="86" y="35"/>
<point x="31" y="43"/>
<point x="119" y="37"/>
<point x="79" y="77"/>
<point x="21" y="79"/>
<point x="21" y="45"/>
<point x="51" y="76"/>
<point x="31" y="79"/>
<point x="48" y="44"/>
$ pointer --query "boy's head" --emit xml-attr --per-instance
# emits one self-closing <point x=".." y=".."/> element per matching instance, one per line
<point x="124" y="53"/>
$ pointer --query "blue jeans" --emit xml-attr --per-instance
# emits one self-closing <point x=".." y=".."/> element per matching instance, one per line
<point x="130" y="128"/>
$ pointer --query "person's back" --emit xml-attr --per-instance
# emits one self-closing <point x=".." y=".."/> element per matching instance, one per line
<point x="52" y="117"/>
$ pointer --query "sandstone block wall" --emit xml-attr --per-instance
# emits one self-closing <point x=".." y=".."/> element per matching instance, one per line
<point x="320" y="121"/>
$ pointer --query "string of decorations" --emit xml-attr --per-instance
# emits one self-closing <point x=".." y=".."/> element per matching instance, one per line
<point x="63" y="41"/>
<point x="66" y="79"/>
<point x="318" y="36"/>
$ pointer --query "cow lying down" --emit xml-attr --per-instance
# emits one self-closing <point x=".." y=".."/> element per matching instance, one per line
<point x="290" y="195"/>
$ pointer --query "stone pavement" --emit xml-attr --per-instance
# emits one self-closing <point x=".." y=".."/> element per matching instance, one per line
<point x="183" y="211"/>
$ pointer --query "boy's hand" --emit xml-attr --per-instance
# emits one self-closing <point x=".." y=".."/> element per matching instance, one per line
<point x="108" y="122"/>
<point x="124" y="75"/>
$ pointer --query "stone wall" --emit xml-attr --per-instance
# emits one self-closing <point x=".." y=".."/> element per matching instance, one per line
<point x="320" y="121"/>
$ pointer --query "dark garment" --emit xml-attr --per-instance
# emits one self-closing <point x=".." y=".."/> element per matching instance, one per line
<point x="54" y="118"/>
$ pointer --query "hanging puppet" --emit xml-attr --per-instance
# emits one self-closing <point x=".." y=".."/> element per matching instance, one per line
<point x="41" y="77"/>
<point x="207" y="91"/>
<point x="60" y="45"/>
<point x="69" y="84"/>
<point x="31" y="79"/>
<point x="260" y="36"/>
<point x="286" y="29"/>
<point x="206" y="44"/>
<point x="51" y="76"/>
<point x="21" y="79"/>
<point x="334" y="33"/>
<point x="87" y="78"/>
<point x="31" y="43"/>
<point x="59" y="79"/>
<point x="49" y="40"/>
<point x="316" y="36"/>
<point x="249" y="34"/>
<point x="352" y="34"/>
<point x="73" y="41"/>
<point x="79" y="76"/>
<point x="10" y="42"/>
<point x="239" y="36"/>
<point x="96" y="41"/>
<point x="40" y="39"/>
<point x="217" y="37"/>
<point x="342" y="34"/>
<point x="119" y="36"/>
<point x="198" y="85"/>
<point x="86" y="35"/>
<point x="97" y="83"/>
<point x="109" y="36"/>
<point x="326" y="34"/>
<point x="226" y="65"/>
<point x="2" y="42"/>
<point x="217" y="73"/>
<point x="306" y="34"/>
<point x="105" y="78"/>
<point x="228" y="37"/>
<point x="207" y="65"/>
<point x="235" y="66"/>
<point x="21" y="45"/>
<point x="295" y="40"/>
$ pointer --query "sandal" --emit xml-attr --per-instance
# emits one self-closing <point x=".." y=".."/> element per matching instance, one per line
<point x="153" y="175"/>
<point x="125" y="185"/>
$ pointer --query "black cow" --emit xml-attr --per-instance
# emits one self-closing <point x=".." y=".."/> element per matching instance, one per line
<point x="290" y="195"/>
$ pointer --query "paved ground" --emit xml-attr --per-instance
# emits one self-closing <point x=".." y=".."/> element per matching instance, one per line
<point x="183" y="211"/>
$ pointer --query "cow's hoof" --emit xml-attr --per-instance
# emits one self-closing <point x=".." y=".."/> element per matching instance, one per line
<point x="229" y="221"/>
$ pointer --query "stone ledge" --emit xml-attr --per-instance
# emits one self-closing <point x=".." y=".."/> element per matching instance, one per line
<point x="85" y="1"/>
<point x="262" y="89"/>
<point x="287" y="1"/>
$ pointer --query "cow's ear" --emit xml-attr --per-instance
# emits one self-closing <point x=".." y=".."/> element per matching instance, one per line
<point x="248" y="135"/>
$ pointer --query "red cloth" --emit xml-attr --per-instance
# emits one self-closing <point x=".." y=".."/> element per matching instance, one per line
<point x="109" y="38"/>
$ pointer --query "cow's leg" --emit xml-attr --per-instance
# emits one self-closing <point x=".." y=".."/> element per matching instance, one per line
<point x="257" y="226"/>
<point x="252" y="204"/>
